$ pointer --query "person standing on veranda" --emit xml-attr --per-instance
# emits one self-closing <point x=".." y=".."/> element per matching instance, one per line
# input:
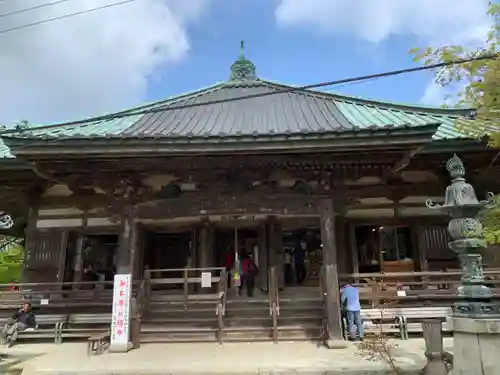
<point x="350" y="298"/>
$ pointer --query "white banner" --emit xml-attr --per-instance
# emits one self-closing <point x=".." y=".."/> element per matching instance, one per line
<point x="120" y="319"/>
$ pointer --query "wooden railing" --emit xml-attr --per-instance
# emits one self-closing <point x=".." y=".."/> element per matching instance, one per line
<point x="419" y="288"/>
<point x="274" y="303"/>
<point x="182" y="279"/>
<point x="59" y="294"/>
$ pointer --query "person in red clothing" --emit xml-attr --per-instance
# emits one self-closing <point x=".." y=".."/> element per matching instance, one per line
<point x="249" y="272"/>
<point x="229" y="265"/>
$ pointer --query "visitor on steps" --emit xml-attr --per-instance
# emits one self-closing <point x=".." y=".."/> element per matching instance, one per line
<point x="350" y="297"/>
<point x="229" y="263"/>
<point x="249" y="272"/>
<point x="22" y="320"/>
<point x="299" y="255"/>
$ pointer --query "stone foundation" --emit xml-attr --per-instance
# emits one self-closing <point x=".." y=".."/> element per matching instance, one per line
<point x="476" y="346"/>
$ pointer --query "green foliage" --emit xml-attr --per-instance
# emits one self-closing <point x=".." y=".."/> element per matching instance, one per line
<point x="491" y="224"/>
<point x="478" y="79"/>
<point x="11" y="260"/>
<point x="480" y="89"/>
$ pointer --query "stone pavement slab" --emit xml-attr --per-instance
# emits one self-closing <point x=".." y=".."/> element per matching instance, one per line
<point x="230" y="359"/>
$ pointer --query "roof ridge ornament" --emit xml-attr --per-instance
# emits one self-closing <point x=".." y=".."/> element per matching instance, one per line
<point x="242" y="69"/>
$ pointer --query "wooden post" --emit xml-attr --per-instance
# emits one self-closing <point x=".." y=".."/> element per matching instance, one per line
<point x="138" y="260"/>
<point x="63" y="247"/>
<point x="204" y="248"/>
<point x="135" y="324"/>
<point x="78" y="261"/>
<point x="279" y="254"/>
<point x="126" y="248"/>
<point x="421" y="249"/>
<point x="340" y="234"/>
<point x="275" y="249"/>
<point x="354" y="249"/>
<point x="332" y="287"/>
<point x="262" y="277"/>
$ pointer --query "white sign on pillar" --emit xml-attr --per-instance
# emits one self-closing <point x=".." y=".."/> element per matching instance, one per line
<point x="206" y="279"/>
<point x="120" y="319"/>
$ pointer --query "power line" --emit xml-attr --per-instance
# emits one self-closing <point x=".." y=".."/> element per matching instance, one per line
<point x="64" y="16"/>
<point x="305" y="88"/>
<point x="32" y="8"/>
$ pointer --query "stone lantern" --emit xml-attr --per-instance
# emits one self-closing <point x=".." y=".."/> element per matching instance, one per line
<point x="466" y="232"/>
<point x="476" y="318"/>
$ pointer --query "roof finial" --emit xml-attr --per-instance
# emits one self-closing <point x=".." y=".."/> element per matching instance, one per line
<point x="242" y="49"/>
<point x="242" y="68"/>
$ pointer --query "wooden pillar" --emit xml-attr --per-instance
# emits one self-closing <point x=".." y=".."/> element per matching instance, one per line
<point x="331" y="278"/>
<point x="276" y="252"/>
<point x="420" y="248"/>
<point x="63" y="247"/>
<point x="205" y="245"/>
<point x="138" y="261"/>
<point x="340" y="237"/>
<point x="353" y="249"/>
<point x="78" y="261"/>
<point x="127" y="246"/>
<point x="263" y="258"/>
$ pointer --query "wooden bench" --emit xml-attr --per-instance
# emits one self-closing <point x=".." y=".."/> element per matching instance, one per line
<point x="412" y="317"/>
<point x="48" y="326"/>
<point x="380" y="320"/>
<point x="97" y="343"/>
<point x="86" y="326"/>
<point x="386" y="320"/>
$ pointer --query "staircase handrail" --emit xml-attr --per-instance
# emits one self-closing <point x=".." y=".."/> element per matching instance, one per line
<point x="273" y="302"/>
<point x="139" y="306"/>
<point x="220" y="308"/>
<point x="322" y="286"/>
<point x="222" y="291"/>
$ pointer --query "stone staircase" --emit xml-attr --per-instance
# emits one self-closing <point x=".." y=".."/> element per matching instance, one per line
<point x="246" y="319"/>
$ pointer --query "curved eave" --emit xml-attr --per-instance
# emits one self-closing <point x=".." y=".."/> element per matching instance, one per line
<point x="14" y="164"/>
<point x="454" y="145"/>
<point x="362" y="138"/>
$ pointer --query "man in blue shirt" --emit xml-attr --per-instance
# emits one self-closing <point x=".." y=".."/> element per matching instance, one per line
<point x="350" y="301"/>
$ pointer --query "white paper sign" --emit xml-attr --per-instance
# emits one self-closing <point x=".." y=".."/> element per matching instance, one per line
<point x="121" y="309"/>
<point x="206" y="279"/>
<point x="44" y="301"/>
<point x="401" y="293"/>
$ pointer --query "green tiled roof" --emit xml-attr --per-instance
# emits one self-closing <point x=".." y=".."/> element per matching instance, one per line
<point x="5" y="151"/>
<point x="283" y="113"/>
<point x="300" y="113"/>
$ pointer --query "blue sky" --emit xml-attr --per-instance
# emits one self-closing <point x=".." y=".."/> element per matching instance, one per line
<point x="290" y="56"/>
<point x="147" y="50"/>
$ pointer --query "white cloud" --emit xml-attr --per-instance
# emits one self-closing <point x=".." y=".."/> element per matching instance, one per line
<point x="440" y="21"/>
<point x="434" y="22"/>
<point x="88" y="64"/>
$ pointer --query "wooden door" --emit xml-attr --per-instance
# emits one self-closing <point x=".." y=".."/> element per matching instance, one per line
<point x="45" y="255"/>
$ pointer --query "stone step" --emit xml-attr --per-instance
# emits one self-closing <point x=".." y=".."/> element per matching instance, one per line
<point x="166" y="322"/>
<point x="237" y="334"/>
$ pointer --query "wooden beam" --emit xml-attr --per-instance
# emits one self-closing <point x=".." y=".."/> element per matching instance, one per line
<point x="403" y="163"/>
<point x="246" y="200"/>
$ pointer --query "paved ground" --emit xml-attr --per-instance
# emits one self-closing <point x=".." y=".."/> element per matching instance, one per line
<point x="229" y="359"/>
